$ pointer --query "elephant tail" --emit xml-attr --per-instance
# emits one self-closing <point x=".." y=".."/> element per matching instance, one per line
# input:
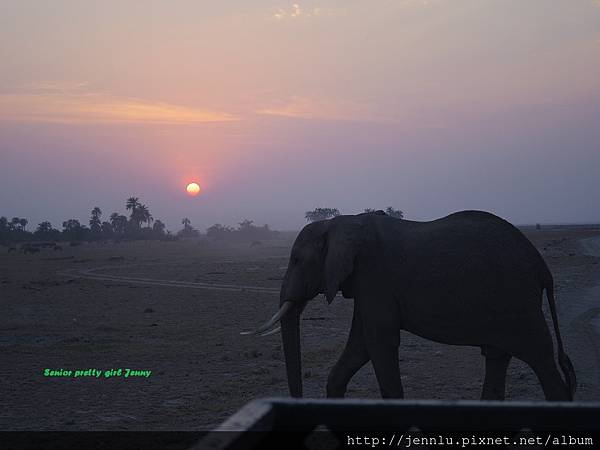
<point x="563" y="360"/>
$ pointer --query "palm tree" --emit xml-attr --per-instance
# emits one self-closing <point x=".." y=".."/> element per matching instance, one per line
<point x="133" y="204"/>
<point x="186" y="223"/>
<point x="23" y="223"/>
<point x="95" y="222"/>
<point x="144" y="214"/>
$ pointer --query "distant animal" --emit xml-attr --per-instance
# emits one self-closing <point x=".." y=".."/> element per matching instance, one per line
<point x="29" y="249"/>
<point x="12" y="249"/>
<point x="470" y="278"/>
<point x="256" y="244"/>
<point x="57" y="248"/>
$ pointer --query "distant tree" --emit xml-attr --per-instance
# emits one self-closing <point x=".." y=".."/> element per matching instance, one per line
<point x="144" y="215"/>
<point x="321" y="214"/>
<point x="188" y="229"/>
<point x="246" y="231"/>
<point x="95" y="222"/>
<point x="14" y="230"/>
<point x="107" y="229"/>
<point x="389" y="211"/>
<point x="3" y="229"/>
<point x="119" y="223"/>
<point x="45" y="231"/>
<point x="43" y="227"/>
<point x="149" y="219"/>
<point x="71" y="224"/>
<point x="158" y="228"/>
<point x="394" y="212"/>
<point x="218" y="231"/>
<point x="15" y="224"/>
<point x="73" y="230"/>
<point x="133" y="204"/>
<point x="246" y="225"/>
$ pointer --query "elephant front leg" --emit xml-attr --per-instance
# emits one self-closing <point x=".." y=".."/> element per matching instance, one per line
<point x="381" y="327"/>
<point x="352" y="359"/>
<point x="496" y="365"/>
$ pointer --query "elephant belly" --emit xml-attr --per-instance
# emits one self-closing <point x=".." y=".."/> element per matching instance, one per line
<point x="466" y="319"/>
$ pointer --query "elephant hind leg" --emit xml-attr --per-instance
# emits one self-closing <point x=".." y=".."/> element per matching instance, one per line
<point x="552" y="383"/>
<point x="353" y="357"/>
<point x="537" y="350"/>
<point x="544" y="366"/>
<point x="496" y="365"/>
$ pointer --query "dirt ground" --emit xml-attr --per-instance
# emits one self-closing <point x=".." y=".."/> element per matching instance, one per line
<point x="145" y="305"/>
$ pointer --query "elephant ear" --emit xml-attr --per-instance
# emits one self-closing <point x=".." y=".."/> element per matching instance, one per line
<point x="343" y="242"/>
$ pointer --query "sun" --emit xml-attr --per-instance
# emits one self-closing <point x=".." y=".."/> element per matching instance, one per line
<point x="193" y="189"/>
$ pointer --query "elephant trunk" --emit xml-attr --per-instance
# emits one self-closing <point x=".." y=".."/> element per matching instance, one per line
<point x="290" y="334"/>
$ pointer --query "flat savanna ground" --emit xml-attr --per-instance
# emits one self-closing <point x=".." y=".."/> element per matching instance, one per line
<point x="189" y="336"/>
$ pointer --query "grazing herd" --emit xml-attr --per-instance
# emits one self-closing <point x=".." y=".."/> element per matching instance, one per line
<point x="35" y="247"/>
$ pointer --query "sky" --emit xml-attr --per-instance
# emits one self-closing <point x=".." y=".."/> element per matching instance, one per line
<point x="275" y="108"/>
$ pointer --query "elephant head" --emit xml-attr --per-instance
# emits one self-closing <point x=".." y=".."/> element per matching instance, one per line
<point x="321" y="262"/>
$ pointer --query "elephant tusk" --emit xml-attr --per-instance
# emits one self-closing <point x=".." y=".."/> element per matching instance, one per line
<point x="285" y="308"/>
<point x="270" y="332"/>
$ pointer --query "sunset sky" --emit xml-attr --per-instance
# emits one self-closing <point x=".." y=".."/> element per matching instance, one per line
<point x="274" y="108"/>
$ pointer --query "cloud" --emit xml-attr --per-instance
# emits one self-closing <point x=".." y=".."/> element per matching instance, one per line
<point x="296" y="12"/>
<point x="73" y="103"/>
<point x="299" y="107"/>
<point x="309" y="108"/>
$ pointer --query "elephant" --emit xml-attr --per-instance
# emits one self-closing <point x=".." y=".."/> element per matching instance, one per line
<point x="470" y="278"/>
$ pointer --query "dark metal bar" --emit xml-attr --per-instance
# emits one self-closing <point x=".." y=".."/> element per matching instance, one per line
<point x="243" y="429"/>
<point x="260" y="418"/>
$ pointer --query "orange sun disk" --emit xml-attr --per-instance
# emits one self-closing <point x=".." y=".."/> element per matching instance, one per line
<point x="193" y="189"/>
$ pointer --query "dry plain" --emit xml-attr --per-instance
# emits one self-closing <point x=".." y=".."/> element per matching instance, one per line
<point x="146" y="306"/>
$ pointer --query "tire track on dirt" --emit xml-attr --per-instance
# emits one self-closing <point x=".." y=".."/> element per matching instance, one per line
<point x="90" y="274"/>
